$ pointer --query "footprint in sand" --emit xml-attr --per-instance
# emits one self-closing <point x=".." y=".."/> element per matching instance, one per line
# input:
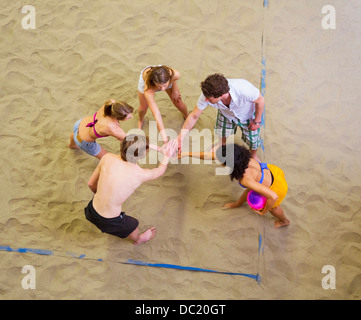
<point x="215" y="201"/>
<point x="176" y="180"/>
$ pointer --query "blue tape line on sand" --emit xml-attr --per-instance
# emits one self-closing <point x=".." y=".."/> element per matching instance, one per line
<point x="177" y="267"/>
<point x="263" y="78"/>
<point x="260" y="244"/>
<point x="263" y="92"/>
<point x="130" y="261"/>
<point x="27" y="250"/>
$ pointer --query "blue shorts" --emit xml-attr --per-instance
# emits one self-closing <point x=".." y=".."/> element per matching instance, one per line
<point x="91" y="148"/>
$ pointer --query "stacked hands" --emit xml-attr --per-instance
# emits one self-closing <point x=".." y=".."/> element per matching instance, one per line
<point x="169" y="149"/>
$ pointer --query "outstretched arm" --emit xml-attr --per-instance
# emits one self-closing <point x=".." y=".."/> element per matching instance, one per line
<point x="239" y="202"/>
<point x="204" y="155"/>
<point x="93" y="181"/>
<point x="201" y="155"/>
<point x="149" y="96"/>
<point x="167" y="148"/>
<point x="119" y="133"/>
<point x="188" y="125"/>
<point x="152" y="174"/>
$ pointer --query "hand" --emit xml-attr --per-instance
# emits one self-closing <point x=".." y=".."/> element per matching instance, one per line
<point x="169" y="148"/>
<point x="183" y="154"/>
<point x="231" y="205"/>
<point x="259" y="212"/>
<point x="253" y="126"/>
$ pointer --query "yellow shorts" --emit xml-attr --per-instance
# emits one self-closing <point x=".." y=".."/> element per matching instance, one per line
<point x="279" y="184"/>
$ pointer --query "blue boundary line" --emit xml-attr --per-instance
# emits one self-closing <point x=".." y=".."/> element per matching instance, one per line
<point x="133" y="262"/>
<point x="263" y="76"/>
<point x="263" y="120"/>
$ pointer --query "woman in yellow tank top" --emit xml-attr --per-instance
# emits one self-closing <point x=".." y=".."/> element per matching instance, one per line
<point x="266" y="179"/>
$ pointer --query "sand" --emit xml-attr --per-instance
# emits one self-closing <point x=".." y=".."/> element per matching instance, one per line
<point x="83" y="53"/>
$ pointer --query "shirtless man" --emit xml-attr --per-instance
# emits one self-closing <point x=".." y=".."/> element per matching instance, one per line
<point x="116" y="178"/>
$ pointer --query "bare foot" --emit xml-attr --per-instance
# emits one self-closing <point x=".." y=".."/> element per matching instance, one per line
<point x="146" y="236"/>
<point x="140" y="124"/>
<point x="72" y="144"/>
<point x="279" y="223"/>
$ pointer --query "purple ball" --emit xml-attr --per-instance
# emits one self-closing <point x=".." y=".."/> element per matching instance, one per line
<point x="255" y="200"/>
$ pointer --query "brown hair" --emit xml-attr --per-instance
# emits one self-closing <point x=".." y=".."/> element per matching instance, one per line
<point x="215" y="86"/>
<point x="160" y="74"/>
<point x="134" y="147"/>
<point x="118" y="109"/>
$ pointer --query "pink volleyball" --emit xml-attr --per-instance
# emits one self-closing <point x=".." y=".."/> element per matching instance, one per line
<point x="255" y="200"/>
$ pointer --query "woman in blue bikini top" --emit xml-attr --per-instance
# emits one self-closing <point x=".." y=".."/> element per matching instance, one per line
<point x="263" y="167"/>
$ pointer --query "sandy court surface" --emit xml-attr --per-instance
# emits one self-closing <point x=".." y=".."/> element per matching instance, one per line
<point x="83" y="53"/>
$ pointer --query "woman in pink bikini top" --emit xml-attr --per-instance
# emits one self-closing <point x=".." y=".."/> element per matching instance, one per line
<point x="104" y="123"/>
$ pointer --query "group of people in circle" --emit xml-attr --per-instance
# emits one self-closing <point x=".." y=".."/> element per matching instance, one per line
<point x="240" y="105"/>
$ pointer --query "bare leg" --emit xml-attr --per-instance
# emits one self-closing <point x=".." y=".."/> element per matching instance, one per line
<point x="180" y="105"/>
<point x="72" y="144"/>
<point x="139" y="238"/>
<point x="280" y="215"/>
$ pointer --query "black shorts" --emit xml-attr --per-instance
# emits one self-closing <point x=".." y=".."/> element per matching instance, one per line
<point x="121" y="226"/>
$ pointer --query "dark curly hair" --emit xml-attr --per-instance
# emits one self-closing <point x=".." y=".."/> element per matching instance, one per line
<point x="236" y="157"/>
<point x="215" y="86"/>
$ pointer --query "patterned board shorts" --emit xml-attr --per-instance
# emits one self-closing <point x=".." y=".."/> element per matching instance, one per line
<point x="225" y="127"/>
